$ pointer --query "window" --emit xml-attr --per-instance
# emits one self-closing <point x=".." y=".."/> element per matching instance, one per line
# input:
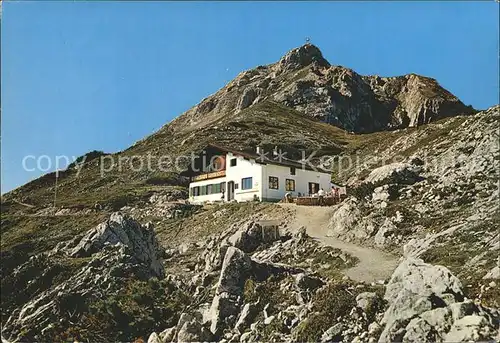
<point x="290" y="185"/>
<point x="209" y="189"/>
<point x="246" y="183"/>
<point x="216" y="188"/>
<point x="233" y="162"/>
<point x="235" y="186"/>
<point x="273" y="182"/>
<point x="292" y="170"/>
<point x="196" y="191"/>
<point x="203" y="190"/>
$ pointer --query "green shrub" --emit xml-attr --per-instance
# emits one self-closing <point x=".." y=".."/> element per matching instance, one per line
<point x="362" y="191"/>
<point x="158" y="180"/>
<point x="119" y="201"/>
<point x="141" y="306"/>
<point x="249" y="291"/>
<point x="165" y="179"/>
<point x="311" y="329"/>
<point x="329" y="303"/>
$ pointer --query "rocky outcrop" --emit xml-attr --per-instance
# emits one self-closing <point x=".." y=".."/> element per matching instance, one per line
<point x="139" y="241"/>
<point x="236" y="268"/>
<point x="395" y="173"/>
<point x="253" y="234"/>
<point x="418" y="99"/>
<point x="117" y="249"/>
<point x="349" y="223"/>
<point x="191" y="330"/>
<point x="305" y="81"/>
<point x="301" y="57"/>
<point x="248" y="98"/>
<point x="427" y="303"/>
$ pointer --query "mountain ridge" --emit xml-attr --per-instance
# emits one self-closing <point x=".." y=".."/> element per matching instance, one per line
<point x="302" y="83"/>
<point x="79" y="265"/>
<point x="304" y="80"/>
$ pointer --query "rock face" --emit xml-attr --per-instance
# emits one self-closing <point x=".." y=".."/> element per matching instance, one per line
<point x="116" y="249"/>
<point x="192" y="331"/>
<point x="140" y="241"/>
<point x="236" y="268"/>
<point x="400" y="173"/>
<point x="419" y="100"/>
<point x="349" y="223"/>
<point x="426" y="303"/>
<point x="305" y="81"/>
<point x="251" y="235"/>
<point x="301" y="57"/>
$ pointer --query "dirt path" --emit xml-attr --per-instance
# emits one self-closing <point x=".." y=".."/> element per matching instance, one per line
<point x="373" y="264"/>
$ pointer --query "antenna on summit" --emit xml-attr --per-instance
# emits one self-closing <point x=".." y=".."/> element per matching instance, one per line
<point x="308" y="40"/>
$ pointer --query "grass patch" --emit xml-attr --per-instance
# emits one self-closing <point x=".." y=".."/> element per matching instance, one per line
<point x="209" y="219"/>
<point x="334" y="300"/>
<point x="140" y="308"/>
<point x="330" y="302"/>
<point x="267" y="292"/>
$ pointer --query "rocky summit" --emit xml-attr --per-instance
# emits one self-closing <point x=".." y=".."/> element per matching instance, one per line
<point x="409" y="255"/>
<point x="305" y="81"/>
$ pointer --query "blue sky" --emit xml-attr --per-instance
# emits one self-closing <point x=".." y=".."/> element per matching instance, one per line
<point x="102" y="75"/>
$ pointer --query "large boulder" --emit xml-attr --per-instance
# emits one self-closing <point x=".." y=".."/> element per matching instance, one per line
<point x="139" y="241"/>
<point x="349" y="223"/>
<point x="427" y="304"/>
<point x="396" y="173"/>
<point x="236" y="268"/>
<point x="192" y="331"/>
<point x="415" y="276"/>
<point x="385" y="234"/>
<point x="252" y="234"/>
<point x="416" y="287"/>
<point x="246" y="317"/>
